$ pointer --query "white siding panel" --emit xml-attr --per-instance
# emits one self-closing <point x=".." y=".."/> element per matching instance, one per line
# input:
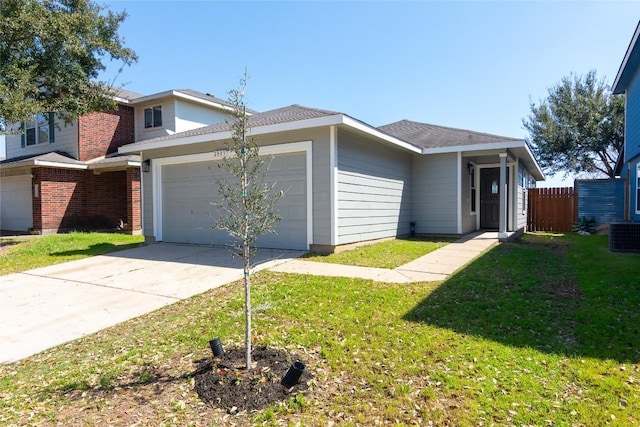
<point x="373" y="189"/>
<point x="65" y="140"/>
<point x="434" y="193"/>
<point x="168" y="120"/>
<point x="191" y="116"/>
<point x="521" y="214"/>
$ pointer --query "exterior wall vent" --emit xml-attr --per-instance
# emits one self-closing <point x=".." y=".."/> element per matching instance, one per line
<point x="624" y="236"/>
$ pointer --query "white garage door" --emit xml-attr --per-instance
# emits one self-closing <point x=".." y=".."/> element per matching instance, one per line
<point x="190" y="190"/>
<point x="16" y="211"/>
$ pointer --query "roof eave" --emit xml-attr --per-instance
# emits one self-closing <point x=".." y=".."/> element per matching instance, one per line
<point x="370" y="130"/>
<point x="115" y="166"/>
<point x="333" y="120"/>
<point x="500" y="145"/>
<point x="475" y="147"/>
<point x="181" y="95"/>
<point x="60" y="165"/>
<point x="621" y="82"/>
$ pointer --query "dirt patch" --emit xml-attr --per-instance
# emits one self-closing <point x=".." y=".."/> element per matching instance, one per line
<point x="225" y="383"/>
<point x="567" y="289"/>
<point x="6" y="245"/>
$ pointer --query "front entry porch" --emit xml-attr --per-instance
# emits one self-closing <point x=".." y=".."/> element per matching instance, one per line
<point x="499" y="203"/>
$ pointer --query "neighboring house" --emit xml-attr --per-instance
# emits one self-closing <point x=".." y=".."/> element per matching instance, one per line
<point x="627" y="82"/>
<point x="61" y="176"/>
<point x="345" y="182"/>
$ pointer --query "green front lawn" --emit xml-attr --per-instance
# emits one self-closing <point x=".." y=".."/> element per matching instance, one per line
<point x="387" y="254"/>
<point x="20" y="254"/>
<point x="540" y="332"/>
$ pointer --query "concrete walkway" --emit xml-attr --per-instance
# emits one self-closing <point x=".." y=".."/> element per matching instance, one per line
<point x="46" y="307"/>
<point x="49" y="306"/>
<point x="435" y="266"/>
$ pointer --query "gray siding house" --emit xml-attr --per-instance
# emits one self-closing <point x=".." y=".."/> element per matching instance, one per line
<point x="345" y="182"/>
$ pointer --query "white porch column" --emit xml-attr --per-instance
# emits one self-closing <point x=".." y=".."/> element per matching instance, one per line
<point x="502" y="230"/>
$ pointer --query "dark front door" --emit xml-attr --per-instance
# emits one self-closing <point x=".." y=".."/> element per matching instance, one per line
<point x="490" y="198"/>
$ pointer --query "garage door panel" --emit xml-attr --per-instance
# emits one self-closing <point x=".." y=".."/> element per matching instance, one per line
<point x="190" y="192"/>
<point x="16" y="209"/>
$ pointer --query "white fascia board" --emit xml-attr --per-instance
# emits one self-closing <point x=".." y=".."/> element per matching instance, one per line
<point x="336" y="119"/>
<point x="476" y="147"/>
<point x="120" y="100"/>
<point x="58" y="165"/>
<point x="181" y="95"/>
<point x="110" y="165"/>
<point x="147" y="98"/>
<point x="535" y="162"/>
<point x="203" y="101"/>
<point x="379" y="134"/>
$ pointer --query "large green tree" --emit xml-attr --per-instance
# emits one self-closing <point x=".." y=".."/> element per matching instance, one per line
<point x="51" y="54"/>
<point x="578" y="128"/>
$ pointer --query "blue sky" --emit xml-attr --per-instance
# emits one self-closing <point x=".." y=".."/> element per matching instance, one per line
<point x="473" y="65"/>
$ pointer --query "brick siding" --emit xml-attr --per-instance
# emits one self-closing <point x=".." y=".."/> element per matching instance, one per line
<point x="61" y="200"/>
<point x="102" y="133"/>
<point x="80" y="199"/>
<point x="134" y="200"/>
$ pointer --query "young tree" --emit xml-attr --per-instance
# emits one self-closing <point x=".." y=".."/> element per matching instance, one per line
<point x="578" y="128"/>
<point x="247" y="206"/>
<point x="51" y="53"/>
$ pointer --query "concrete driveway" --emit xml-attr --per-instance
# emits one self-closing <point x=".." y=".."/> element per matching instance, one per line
<point x="49" y="306"/>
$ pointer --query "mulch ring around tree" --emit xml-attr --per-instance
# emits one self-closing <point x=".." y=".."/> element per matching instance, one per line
<point x="225" y="383"/>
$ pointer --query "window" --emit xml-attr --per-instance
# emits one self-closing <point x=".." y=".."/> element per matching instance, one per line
<point x="153" y="117"/>
<point x="40" y="130"/>
<point x="472" y="176"/>
<point x="638" y="188"/>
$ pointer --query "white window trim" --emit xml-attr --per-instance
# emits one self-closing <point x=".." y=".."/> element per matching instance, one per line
<point x="36" y="126"/>
<point x="144" y="117"/>
<point x="637" y="188"/>
<point x="293" y="147"/>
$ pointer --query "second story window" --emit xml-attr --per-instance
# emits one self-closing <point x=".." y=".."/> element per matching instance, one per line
<point x="153" y="117"/>
<point x="40" y="130"/>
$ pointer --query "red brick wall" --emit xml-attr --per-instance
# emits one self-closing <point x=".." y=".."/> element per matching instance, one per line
<point x="61" y="202"/>
<point x="134" y="198"/>
<point x="102" y="133"/>
<point x="79" y="199"/>
<point x="106" y="199"/>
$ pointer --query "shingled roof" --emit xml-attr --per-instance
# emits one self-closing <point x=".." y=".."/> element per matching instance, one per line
<point x="54" y="157"/>
<point x="207" y="97"/>
<point x="126" y="94"/>
<point x="292" y="113"/>
<point x="426" y="135"/>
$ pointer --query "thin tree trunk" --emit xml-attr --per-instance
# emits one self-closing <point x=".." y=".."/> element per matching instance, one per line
<point x="245" y="248"/>
<point x="247" y="303"/>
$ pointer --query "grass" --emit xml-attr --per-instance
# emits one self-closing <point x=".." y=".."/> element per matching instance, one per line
<point x="545" y="331"/>
<point x="22" y="254"/>
<point x="387" y="254"/>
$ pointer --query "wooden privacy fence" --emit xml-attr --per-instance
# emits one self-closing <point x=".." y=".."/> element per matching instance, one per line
<point x="552" y="209"/>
